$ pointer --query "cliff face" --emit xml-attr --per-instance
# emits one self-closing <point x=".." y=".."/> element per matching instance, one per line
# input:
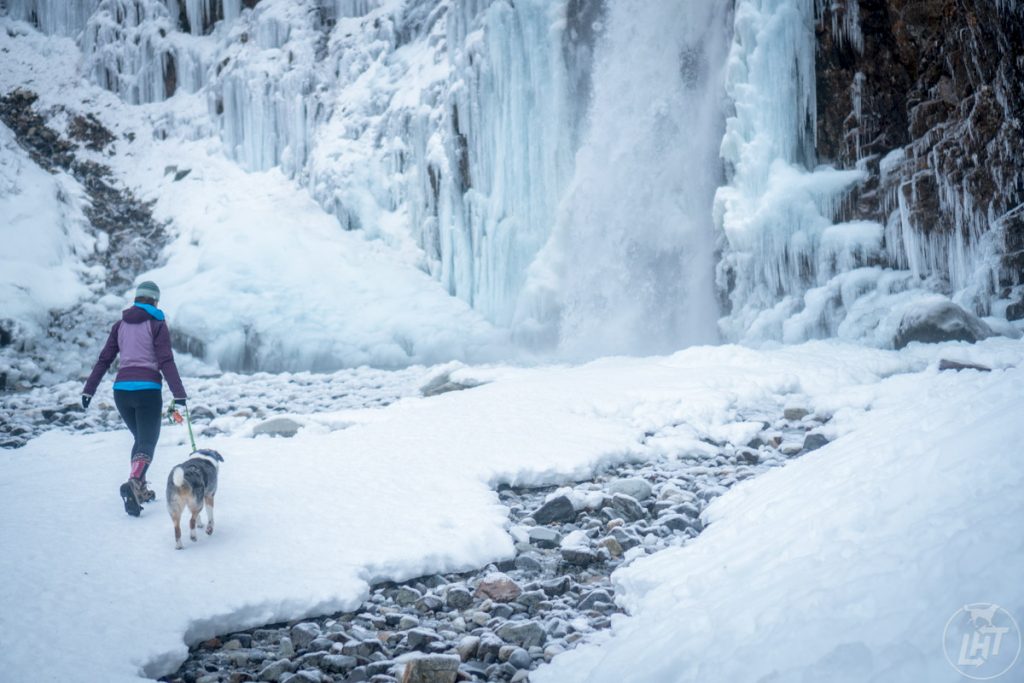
<point x="927" y="96"/>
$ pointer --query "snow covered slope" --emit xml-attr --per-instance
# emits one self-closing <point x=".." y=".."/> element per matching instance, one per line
<point x="849" y="560"/>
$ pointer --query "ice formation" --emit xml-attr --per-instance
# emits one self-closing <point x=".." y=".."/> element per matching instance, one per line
<point x="594" y="177"/>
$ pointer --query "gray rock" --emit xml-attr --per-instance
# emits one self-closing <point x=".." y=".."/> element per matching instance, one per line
<point x="429" y="603"/>
<point x="675" y="522"/>
<point x="278" y="426"/>
<point x="814" y="442"/>
<point x="625" y="538"/>
<point x="594" y="597"/>
<point x="443" y="383"/>
<point x="627" y="507"/>
<point x="337" y="664"/>
<point x="432" y="669"/>
<point x="529" y="564"/>
<point x="407" y="595"/>
<point x="795" y="413"/>
<point x="556" y="587"/>
<point x="407" y="621"/>
<point x="420" y="638"/>
<point x="520" y="658"/>
<point x="558" y="509"/>
<point x="530" y="599"/>
<point x="524" y="633"/>
<point x="579" y="556"/>
<point x="957" y="366"/>
<point x="545" y="537"/>
<point x="458" y="598"/>
<point x="286" y="648"/>
<point x="306" y="676"/>
<point x="633" y="486"/>
<point x="940" y="321"/>
<point x="305" y="633"/>
<point x="488" y="648"/>
<point x="274" y="671"/>
<point x="467" y="647"/>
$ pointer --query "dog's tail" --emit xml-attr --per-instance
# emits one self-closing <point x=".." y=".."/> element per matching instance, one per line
<point x="178" y="476"/>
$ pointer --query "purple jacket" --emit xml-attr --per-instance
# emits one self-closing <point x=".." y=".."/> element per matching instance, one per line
<point x="144" y="343"/>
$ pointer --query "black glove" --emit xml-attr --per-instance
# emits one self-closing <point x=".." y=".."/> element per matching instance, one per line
<point x="86" y="400"/>
<point x="179" y="402"/>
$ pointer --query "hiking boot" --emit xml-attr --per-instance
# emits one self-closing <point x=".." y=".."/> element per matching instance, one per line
<point x="128" y="495"/>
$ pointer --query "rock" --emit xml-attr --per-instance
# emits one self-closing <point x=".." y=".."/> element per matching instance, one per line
<point x="958" y="366"/>
<point x="407" y="595"/>
<point x="278" y="426"/>
<point x="558" y="509"/>
<point x="458" y="598"/>
<point x="498" y="587"/>
<point x="432" y="669"/>
<point x="505" y="652"/>
<point x="429" y="603"/>
<point x="524" y="633"/>
<point x="444" y="383"/>
<point x="627" y="507"/>
<point x="634" y="486"/>
<point x="613" y="547"/>
<point x="467" y="647"/>
<point x="273" y="672"/>
<point x="814" y="441"/>
<point x="420" y="638"/>
<point x="520" y="658"/>
<point x="545" y="537"/>
<point x="675" y="522"/>
<point x="306" y="676"/>
<point x="529" y="564"/>
<point x="407" y="621"/>
<point x="285" y="648"/>
<point x="940" y="321"/>
<point x="337" y="663"/>
<point x="305" y="633"/>
<point x="489" y="647"/>
<point x="579" y="556"/>
<point x="555" y="587"/>
<point x="795" y="413"/>
<point x="595" y="597"/>
<point x="530" y="599"/>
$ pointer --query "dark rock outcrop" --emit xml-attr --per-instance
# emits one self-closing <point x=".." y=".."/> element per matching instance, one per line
<point x="940" y="322"/>
<point x="935" y="88"/>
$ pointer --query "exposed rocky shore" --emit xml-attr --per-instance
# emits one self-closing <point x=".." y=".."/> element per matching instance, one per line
<point x="502" y="621"/>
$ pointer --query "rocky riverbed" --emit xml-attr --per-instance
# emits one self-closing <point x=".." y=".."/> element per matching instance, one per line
<point x="502" y="621"/>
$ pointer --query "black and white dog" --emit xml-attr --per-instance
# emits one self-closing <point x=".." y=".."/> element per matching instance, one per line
<point x="191" y="484"/>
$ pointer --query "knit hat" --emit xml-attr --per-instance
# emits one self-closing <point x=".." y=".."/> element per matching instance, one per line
<point x="148" y="289"/>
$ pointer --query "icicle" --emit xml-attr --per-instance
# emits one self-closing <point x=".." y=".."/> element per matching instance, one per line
<point x="61" y="17"/>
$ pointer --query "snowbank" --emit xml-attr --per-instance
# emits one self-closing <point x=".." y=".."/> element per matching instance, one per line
<point x="847" y="564"/>
<point x="304" y="523"/>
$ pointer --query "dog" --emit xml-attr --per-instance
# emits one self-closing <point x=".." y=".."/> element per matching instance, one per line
<point x="192" y="484"/>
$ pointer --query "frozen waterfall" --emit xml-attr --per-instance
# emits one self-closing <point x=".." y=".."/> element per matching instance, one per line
<point x="629" y="266"/>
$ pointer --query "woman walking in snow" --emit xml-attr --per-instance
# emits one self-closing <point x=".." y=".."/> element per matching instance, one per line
<point x="144" y="342"/>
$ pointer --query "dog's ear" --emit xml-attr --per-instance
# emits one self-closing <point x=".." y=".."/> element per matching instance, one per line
<point x="215" y="455"/>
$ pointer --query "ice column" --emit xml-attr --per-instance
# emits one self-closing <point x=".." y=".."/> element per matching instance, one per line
<point x="629" y="266"/>
<point x="62" y="17"/>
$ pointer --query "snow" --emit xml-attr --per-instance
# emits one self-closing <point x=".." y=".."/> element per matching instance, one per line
<point x="45" y="238"/>
<point x="846" y="564"/>
<point x="882" y="510"/>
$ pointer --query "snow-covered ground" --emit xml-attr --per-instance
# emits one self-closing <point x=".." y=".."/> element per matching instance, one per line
<point x="848" y="561"/>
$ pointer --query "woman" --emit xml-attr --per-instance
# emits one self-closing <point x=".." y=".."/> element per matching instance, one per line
<point x="144" y="342"/>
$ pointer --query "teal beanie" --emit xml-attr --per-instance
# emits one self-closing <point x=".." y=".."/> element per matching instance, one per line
<point x="148" y="289"/>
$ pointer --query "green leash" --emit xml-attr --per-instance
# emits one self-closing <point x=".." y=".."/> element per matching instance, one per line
<point x="171" y="410"/>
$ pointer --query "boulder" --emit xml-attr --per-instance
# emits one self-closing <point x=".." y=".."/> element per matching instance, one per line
<point x="940" y="321"/>
<point x="814" y="441"/>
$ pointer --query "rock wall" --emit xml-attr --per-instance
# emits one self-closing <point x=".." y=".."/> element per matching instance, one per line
<point x="927" y="96"/>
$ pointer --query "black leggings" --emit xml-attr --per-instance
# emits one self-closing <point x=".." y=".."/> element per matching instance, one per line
<point x="140" y="410"/>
